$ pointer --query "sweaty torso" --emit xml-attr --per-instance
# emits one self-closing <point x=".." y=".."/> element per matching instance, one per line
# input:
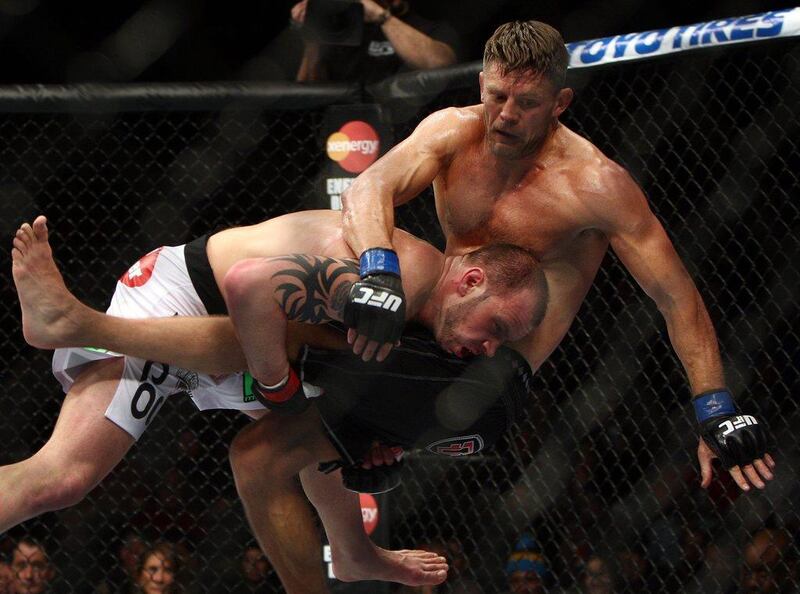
<point x="542" y="208"/>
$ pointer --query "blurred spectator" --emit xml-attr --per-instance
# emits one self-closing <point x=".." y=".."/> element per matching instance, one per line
<point x="256" y="574"/>
<point x="598" y="577"/>
<point x="766" y="564"/>
<point x="633" y="571"/>
<point x="157" y="570"/>
<point x="31" y="570"/>
<point x="395" y="39"/>
<point x="527" y="571"/>
<point x="122" y="576"/>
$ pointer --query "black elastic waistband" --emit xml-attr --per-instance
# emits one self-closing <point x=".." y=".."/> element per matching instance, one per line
<point x="202" y="276"/>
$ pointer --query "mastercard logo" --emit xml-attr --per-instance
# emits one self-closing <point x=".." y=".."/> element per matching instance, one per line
<point x="354" y="147"/>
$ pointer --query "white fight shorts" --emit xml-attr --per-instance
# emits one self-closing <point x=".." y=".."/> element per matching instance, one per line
<point x="158" y="285"/>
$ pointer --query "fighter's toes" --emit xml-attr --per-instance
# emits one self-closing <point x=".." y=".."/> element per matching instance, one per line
<point x="40" y="228"/>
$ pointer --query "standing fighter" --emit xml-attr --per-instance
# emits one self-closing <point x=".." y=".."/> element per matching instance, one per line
<point x="507" y="170"/>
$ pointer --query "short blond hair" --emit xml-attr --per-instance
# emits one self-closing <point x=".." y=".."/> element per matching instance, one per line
<point x="534" y="46"/>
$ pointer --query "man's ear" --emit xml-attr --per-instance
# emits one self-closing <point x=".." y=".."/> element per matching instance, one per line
<point x="480" y="83"/>
<point x="563" y="100"/>
<point x="471" y="278"/>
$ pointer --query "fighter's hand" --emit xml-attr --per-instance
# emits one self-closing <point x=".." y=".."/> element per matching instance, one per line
<point x="379" y="471"/>
<point x="372" y="11"/>
<point x="376" y="307"/>
<point x="382" y="455"/>
<point x="738" y="440"/>
<point x="751" y="474"/>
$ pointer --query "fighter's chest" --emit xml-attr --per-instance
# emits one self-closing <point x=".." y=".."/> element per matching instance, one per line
<point x="540" y="216"/>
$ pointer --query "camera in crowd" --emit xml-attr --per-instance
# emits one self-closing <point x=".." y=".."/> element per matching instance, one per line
<point x="334" y="22"/>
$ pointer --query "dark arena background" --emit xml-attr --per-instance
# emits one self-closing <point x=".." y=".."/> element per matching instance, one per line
<point x="601" y="465"/>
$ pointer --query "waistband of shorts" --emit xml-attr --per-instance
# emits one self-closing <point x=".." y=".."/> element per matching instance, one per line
<point x="202" y="276"/>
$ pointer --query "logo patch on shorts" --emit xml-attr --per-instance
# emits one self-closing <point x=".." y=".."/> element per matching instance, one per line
<point x="457" y="446"/>
<point x="140" y="273"/>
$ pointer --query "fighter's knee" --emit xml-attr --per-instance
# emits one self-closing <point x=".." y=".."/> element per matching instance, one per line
<point x="62" y="489"/>
<point x="249" y="449"/>
<point x="254" y="456"/>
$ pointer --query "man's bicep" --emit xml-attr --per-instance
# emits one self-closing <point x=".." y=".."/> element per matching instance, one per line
<point x="312" y="289"/>
<point x="412" y="165"/>
<point x="649" y="255"/>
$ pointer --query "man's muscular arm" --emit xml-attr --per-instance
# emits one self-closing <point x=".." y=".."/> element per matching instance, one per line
<point x="642" y="245"/>
<point x="397" y="177"/>
<point x="368" y="221"/>
<point x="264" y="294"/>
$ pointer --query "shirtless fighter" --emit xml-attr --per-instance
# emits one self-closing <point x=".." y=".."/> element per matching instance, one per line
<point x="458" y="298"/>
<point x="507" y="170"/>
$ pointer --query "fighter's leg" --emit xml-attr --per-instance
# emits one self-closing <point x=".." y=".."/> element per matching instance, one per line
<point x="52" y="317"/>
<point x="83" y="449"/>
<point x="266" y="457"/>
<point x="355" y="556"/>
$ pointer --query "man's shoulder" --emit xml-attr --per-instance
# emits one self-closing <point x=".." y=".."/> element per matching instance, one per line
<point x="591" y="167"/>
<point x="454" y="127"/>
<point x="468" y="117"/>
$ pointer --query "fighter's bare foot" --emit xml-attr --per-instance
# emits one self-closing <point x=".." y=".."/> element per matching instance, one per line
<point x="412" y="568"/>
<point x="51" y="315"/>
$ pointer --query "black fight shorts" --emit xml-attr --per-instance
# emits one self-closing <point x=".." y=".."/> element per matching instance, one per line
<point x="420" y="397"/>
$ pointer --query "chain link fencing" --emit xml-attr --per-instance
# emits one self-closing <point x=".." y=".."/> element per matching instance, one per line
<point x="600" y="471"/>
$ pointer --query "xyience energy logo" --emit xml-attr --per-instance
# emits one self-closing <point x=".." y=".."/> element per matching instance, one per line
<point x="369" y="512"/>
<point x="140" y="273"/>
<point x="355" y="146"/>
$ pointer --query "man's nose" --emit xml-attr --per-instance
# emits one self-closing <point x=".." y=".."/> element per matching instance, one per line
<point x="509" y="111"/>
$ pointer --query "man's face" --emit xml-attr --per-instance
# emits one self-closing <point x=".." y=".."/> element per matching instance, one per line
<point x="763" y="570"/>
<point x="157" y="575"/>
<point x="478" y="323"/>
<point x="519" y="110"/>
<point x="30" y="570"/>
<point x="525" y="582"/>
<point x="255" y="566"/>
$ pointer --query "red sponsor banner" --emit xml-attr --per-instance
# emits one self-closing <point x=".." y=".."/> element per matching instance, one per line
<point x="352" y="138"/>
<point x="140" y="273"/>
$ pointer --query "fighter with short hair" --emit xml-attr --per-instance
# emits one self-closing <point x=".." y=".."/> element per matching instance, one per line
<point x="471" y="303"/>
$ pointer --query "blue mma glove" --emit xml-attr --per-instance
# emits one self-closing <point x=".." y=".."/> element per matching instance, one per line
<point x="735" y="438"/>
<point x="376" y="307"/>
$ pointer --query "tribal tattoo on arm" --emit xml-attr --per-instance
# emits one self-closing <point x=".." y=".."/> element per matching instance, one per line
<point x="314" y="289"/>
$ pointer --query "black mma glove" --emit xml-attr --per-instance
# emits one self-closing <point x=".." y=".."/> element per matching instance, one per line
<point x="287" y="396"/>
<point x="375" y="480"/>
<point x="376" y="307"/>
<point x="735" y="438"/>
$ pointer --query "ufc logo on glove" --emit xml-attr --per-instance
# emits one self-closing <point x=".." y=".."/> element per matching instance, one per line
<point x="737" y="423"/>
<point x="380" y="299"/>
